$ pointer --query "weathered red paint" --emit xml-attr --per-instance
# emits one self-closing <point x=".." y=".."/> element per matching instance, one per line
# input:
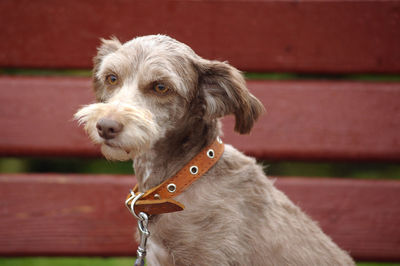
<point x="290" y="36"/>
<point x="304" y="119"/>
<point x="85" y="215"/>
<point x="361" y="216"/>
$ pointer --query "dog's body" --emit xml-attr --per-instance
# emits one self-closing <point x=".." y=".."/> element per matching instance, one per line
<point x="159" y="105"/>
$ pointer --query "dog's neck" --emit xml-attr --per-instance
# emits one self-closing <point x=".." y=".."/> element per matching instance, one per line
<point x="171" y="153"/>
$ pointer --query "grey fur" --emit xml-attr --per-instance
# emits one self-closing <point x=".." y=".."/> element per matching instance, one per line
<point x="234" y="215"/>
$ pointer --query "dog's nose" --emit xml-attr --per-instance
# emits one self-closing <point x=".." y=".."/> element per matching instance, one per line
<point x="108" y="128"/>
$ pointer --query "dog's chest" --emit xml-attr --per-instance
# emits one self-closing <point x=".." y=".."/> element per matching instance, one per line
<point x="158" y="254"/>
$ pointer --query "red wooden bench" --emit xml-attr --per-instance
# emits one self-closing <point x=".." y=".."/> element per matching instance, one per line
<point x="76" y="214"/>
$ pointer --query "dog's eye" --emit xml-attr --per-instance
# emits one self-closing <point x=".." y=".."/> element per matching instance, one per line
<point x="160" y="88"/>
<point x="112" y="79"/>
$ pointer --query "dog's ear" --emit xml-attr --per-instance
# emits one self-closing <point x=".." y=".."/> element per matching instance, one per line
<point x="226" y="93"/>
<point x="106" y="47"/>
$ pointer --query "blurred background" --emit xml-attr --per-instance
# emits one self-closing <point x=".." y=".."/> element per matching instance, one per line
<point x="45" y="68"/>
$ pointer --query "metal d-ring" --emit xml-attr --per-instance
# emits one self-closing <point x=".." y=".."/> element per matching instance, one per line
<point x="131" y="206"/>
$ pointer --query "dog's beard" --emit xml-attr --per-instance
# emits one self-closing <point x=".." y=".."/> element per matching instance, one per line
<point x="116" y="154"/>
<point x="139" y="132"/>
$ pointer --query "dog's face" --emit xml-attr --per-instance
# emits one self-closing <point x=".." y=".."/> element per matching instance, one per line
<point x="147" y="86"/>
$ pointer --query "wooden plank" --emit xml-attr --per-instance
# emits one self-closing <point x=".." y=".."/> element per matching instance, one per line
<point x="304" y="120"/>
<point x="361" y="216"/>
<point x="84" y="215"/>
<point x="291" y="36"/>
<point x="324" y="120"/>
<point x="65" y="215"/>
<point x="38" y="116"/>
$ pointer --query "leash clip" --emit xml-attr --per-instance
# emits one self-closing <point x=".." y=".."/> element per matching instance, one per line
<point x="144" y="234"/>
<point x="143" y="221"/>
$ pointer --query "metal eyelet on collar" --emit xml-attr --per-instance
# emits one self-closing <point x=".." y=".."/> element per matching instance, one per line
<point x="211" y="153"/>
<point x="194" y="169"/>
<point x="171" y="188"/>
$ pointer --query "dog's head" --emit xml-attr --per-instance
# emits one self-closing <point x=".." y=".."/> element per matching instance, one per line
<point x="147" y="86"/>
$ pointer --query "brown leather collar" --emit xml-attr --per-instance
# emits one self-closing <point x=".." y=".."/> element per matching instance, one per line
<point x="159" y="200"/>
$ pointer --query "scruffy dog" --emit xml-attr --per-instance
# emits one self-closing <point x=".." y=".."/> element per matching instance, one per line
<point x="159" y="104"/>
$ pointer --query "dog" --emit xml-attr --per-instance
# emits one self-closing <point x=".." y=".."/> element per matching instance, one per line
<point x="159" y="104"/>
